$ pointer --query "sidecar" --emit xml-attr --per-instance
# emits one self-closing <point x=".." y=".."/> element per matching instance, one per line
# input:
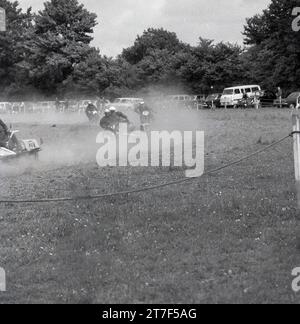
<point x="29" y="147"/>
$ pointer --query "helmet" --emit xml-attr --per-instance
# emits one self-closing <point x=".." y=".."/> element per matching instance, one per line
<point x="106" y="111"/>
<point x="112" y="109"/>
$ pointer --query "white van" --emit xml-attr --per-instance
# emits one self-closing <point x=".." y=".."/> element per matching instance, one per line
<point x="231" y="96"/>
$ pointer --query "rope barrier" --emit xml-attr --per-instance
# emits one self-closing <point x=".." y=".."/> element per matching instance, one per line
<point x="294" y="133"/>
<point x="150" y="188"/>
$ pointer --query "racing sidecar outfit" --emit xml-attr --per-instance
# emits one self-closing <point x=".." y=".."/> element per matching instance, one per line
<point x="4" y="133"/>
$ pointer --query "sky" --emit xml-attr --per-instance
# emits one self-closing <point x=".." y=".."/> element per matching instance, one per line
<point x="120" y="21"/>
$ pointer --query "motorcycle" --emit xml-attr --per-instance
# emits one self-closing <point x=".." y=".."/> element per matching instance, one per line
<point x="245" y="103"/>
<point x="115" y="128"/>
<point x="146" y="121"/>
<point x="93" y="117"/>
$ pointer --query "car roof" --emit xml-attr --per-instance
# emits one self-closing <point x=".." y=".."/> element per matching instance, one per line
<point x="297" y="93"/>
<point x="130" y="99"/>
<point x="181" y="95"/>
<point x="243" y="86"/>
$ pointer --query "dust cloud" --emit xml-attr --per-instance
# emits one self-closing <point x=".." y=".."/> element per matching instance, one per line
<point x="68" y="139"/>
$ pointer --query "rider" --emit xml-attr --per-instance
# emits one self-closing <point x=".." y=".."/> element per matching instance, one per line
<point x="4" y="138"/>
<point x="90" y="110"/>
<point x="118" y="116"/>
<point x="111" y="118"/>
<point x="4" y="134"/>
<point x="145" y="115"/>
<point x="106" y="121"/>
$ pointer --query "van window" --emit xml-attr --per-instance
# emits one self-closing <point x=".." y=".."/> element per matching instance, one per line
<point x="255" y="89"/>
<point x="237" y="91"/>
<point x="248" y="90"/>
<point x="228" y="92"/>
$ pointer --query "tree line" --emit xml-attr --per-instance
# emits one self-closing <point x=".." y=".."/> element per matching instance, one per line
<point x="49" y="54"/>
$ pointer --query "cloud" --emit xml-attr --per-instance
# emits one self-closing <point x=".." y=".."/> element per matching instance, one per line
<point x="120" y="21"/>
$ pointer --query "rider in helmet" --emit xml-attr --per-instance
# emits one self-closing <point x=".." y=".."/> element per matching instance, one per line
<point x="7" y="140"/>
<point x="119" y="116"/>
<point x="112" y="118"/>
<point x="91" y="110"/>
<point x="106" y="121"/>
<point x="145" y="115"/>
<point x="4" y="133"/>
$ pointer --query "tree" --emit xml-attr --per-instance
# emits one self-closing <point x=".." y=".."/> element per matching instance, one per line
<point x="275" y="47"/>
<point x="93" y="75"/>
<point x="61" y="38"/>
<point x="11" y="46"/>
<point x="67" y="18"/>
<point x="152" y="57"/>
<point x="209" y="64"/>
<point x="152" y="40"/>
<point x="161" y="59"/>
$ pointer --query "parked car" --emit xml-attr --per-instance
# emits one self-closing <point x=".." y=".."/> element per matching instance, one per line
<point x="232" y="96"/>
<point x="183" y="100"/>
<point x="126" y="103"/>
<point x="267" y="98"/>
<point x="199" y="98"/>
<point x="199" y="101"/>
<point x="291" y="101"/>
<point x="213" y="99"/>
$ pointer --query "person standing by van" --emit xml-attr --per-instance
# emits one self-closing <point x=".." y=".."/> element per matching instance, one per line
<point x="245" y="99"/>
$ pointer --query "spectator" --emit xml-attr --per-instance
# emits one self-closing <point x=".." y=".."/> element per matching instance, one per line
<point x="279" y="96"/>
<point x="245" y="96"/>
<point x="57" y="105"/>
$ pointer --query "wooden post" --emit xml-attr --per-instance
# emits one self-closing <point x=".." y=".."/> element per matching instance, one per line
<point x="256" y="102"/>
<point x="296" y="141"/>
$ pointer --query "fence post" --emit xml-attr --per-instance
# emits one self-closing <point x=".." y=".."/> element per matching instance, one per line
<point x="296" y="142"/>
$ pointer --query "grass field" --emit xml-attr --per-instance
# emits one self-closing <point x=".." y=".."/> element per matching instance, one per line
<point x="232" y="237"/>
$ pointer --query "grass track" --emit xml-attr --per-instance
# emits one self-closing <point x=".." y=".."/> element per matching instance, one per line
<point x="228" y="238"/>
